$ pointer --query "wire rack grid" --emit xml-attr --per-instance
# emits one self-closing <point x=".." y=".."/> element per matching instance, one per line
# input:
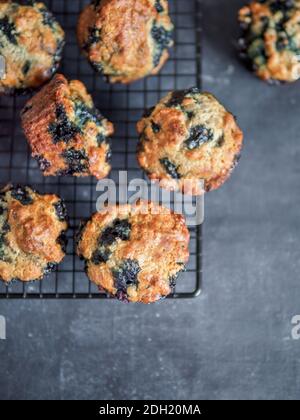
<point x="123" y="105"/>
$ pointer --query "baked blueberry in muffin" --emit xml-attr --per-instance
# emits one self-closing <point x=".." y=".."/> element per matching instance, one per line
<point x="126" y="40"/>
<point x="67" y="134"/>
<point x="187" y="138"/>
<point x="31" y="42"/>
<point x="32" y="233"/>
<point x="271" y="39"/>
<point x="134" y="253"/>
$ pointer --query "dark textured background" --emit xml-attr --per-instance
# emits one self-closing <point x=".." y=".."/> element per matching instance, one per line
<point x="234" y="342"/>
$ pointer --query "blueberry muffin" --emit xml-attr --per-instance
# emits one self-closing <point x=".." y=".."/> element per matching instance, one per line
<point x="271" y="39"/>
<point x="67" y="134"/>
<point x="32" y="233"/>
<point x="31" y="42"/>
<point x="189" y="136"/>
<point x="134" y="253"/>
<point x="126" y="40"/>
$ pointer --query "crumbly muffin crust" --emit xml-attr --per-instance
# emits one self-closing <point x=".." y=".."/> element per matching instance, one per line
<point x="134" y="253"/>
<point x="32" y="233"/>
<point x="126" y="40"/>
<point x="189" y="136"/>
<point x="67" y="134"/>
<point x="271" y="39"/>
<point x="31" y="42"/>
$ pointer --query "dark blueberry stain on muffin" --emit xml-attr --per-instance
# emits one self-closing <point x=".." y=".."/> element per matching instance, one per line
<point x="285" y="41"/>
<point x="163" y="40"/>
<point x="62" y="129"/>
<point x="256" y="52"/>
<point x="61" y="211"/>
<point x="159" y="6"/>
<point x="192" y="91"/>
<point x="120" y="229"/>
<point x="198" y="136"/>
<point x="108" y="156"/>
<point x="96" y="3"/>
<point x="26" y="67"/>
<point x="26" y="109"/>
<point x="170" y="168"/>
<point x="178" y="96"/>
<point x="221" y="140"/>
<point x="98" y="67"/>
<point x="93" y="38"/>
<point x="76" y="160"/>
<point x="282" y="5"/>
<point x="173" y="279"/>
<point x="9" y="30"/>
<point x="101" y="138"/>
<point x="237" y="158"/>
<point x="264" y="22"/>
<point x="50" y="267"/>
<point x="43" y="163"/>
<point x="140" y="146"/>
<point x="62" y="240"/>
<point x="126" y="275"/>
<point x="3" y="241"/>
<point x="48" y="18"/>
<point x="155" y="127"/>
<point x="143" y="138"/>
<point x="26" y="2"/>
<point x="84" y="114"/>
<point x="122" y="296"/>
<point x="5" y="228"/>
<point x="100" y="256"/>
<point x="2" y="248"/>
<point x="148" y="112"/>
<point x="57" y="56"/>
<point x="22" y="195"/>
<point x="80" y="230"/>
<point x="190" y="115"/>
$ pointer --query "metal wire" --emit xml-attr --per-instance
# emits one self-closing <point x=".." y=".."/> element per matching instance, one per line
<point x="123" y="106"/>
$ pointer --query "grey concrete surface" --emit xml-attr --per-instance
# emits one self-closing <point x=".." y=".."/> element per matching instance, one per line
<point x="234" y="342"/>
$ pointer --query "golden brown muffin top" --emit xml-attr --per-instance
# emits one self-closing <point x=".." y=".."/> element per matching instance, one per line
<point x="271" y="40"/>
<point x="67" y="134"/>
<point x="126" y="39"/>
<point x="31" y="41"/>
<point x="32" y="228"/>
<point x="189" y="136"/>
<point x="135" y="252"/>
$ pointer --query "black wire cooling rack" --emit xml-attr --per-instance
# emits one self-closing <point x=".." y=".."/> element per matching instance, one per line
<point x="123" y="105"/>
